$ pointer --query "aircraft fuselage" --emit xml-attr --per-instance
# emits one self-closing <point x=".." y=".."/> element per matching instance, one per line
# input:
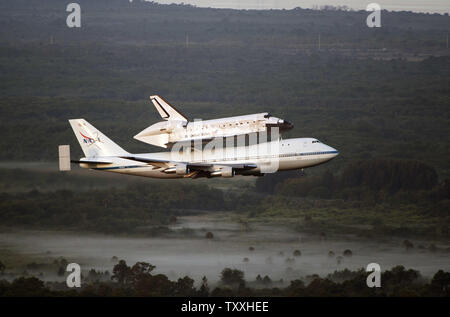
<point x="269" y="157"/>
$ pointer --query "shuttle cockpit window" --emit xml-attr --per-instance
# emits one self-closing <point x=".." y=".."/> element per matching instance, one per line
<point x="315" y="141"/>
<point x="268" y="115"/>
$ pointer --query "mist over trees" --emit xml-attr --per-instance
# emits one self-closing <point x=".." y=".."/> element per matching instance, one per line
<point x="139" y="280"/>
<point x="373" y="189"/>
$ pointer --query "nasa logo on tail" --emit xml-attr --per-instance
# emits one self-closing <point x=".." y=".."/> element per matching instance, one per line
<point x="89" y="140"/>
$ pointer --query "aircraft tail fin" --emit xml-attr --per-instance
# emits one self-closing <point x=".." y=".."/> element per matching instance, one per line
<point x="93" y="142"/>
<point x="166" y="111"/>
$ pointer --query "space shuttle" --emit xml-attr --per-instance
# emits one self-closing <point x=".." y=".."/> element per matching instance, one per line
<point x="177" y="128"/>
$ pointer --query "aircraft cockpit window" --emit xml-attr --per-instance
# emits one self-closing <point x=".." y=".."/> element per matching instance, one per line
<point x="267" y="115"/>
<point x="316" y="141"/>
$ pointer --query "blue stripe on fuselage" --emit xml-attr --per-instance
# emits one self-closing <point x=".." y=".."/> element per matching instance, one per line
<point x="285" y="155"/>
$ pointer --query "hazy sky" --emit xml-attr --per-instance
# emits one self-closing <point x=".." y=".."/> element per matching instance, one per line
<point x="438" y="6"/>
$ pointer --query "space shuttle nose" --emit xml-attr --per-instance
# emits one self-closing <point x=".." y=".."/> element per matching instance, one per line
<point x="285" y="125"/>
<point x="282" y="125"/>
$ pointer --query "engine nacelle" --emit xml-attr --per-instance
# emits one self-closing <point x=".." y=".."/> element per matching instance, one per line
<point x="225" y="171"/>
<point x="181" y="169"/>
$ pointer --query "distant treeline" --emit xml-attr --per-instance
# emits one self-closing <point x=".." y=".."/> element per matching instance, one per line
<point x="386" y="197"/>
<point x="122" y="21"/>
<point x="139" y="280"/>
<point x="376" y="180"/>
<point x="131" y="209"/>
<point x="368" y="190"/>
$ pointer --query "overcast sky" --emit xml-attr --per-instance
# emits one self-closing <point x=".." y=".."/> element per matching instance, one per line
<point x="438" y="6"/>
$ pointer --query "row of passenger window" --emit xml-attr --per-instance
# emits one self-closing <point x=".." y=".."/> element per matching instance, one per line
<point x="264" y="156"/>
<point x="314" y="153"/>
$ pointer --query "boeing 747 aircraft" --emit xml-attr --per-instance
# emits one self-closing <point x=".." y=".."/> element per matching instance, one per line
<point x="210" y="160"/>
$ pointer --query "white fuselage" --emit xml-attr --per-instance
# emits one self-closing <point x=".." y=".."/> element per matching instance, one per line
<point x="268" y="157"/>
<point x="166" y="133"/>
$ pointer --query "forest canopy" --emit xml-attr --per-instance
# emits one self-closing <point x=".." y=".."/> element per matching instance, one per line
<point x="371" y="93"/>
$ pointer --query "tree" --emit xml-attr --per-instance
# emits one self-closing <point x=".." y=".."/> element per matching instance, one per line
<point x="122" y="272"/>
<point x="399" y="275"/>
<point x="296" y="288"/>
<point x="232" y="277"/>
<point x="28" y="286"/>
<point x="61" y="271"/>
<point x="204" y="288"/>
<point x="154" y="285"/>
<point x="440" y="284"/>
<point x="266" y="280"/>
<point x="185" y="286"/>
<point x="140" y="270"/>
<point x="323" y="287"/>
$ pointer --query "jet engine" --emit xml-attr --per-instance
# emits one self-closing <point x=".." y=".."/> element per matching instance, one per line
<point x="225" y="171"/>
<point x="181" y="169"/>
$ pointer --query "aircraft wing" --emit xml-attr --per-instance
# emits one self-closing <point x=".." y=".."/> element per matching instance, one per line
<point x="154" y="162"/>
<point x="204" y="169"/>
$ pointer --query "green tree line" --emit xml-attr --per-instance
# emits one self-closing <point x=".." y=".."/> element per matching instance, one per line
<point x="140" y="280"/>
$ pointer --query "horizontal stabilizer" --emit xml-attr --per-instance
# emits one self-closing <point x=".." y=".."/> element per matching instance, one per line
<point x="92" y="161"/>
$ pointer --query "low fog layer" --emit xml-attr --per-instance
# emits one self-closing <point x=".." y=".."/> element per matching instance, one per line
<point x="188" y="252"/>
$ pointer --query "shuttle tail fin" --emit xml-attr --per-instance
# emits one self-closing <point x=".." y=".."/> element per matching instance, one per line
<point x="166" y="111"/>
<point x="93" y="142"/>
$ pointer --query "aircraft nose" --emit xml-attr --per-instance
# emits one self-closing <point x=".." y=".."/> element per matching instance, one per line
<point x="335" y="152"/>
<point x="332" y="151"/>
